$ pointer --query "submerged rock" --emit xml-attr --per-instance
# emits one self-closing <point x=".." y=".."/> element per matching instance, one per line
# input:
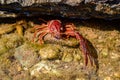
<point x="71" y="54"/>
<point x="7" y="42"/>
<point x="26" y="55"/>
<point x="44" y="67"/>
<point x="3" y="49"/>
<point x="59" y="70"/>
<point x="50" y="52"/>
<point x="6" y="28"/>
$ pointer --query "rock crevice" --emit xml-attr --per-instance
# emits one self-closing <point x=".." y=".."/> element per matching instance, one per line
<point x="83" y="9"/>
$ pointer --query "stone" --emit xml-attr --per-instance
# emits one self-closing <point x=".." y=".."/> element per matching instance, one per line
<point x="44" y="67"/>
<point x="7" y="42"/>
<point x="82" y="9"/>
<point x="50" y="52"/>
<point x="26" y="55"/>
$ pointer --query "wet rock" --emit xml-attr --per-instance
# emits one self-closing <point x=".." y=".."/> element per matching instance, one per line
<point x="7" y="42"/>
<point x="19" y="29"/>
<point x="29" y="34"/>
<point x="58" y="70"/>
<point x="105" y="52"/>
<point x="14" y="41"/>
<point x="107" y="78"/>
<point x="50" y="52"/>
<point x="117" y="74"/>
<point x="26" y="55"/>
<point x="3" y="49"/>
<point x="82" y="9"/>
<point x="6" y="28"/>
<point x="4" y="76"/>
<point x="115" y="56"/>
<point x="72" y="42"/>
<point x="67" y="57"/>
<point x="71" y="54"/>
<point x="44" y="67"/>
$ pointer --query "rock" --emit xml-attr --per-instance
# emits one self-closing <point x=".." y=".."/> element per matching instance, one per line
<point x="117" y="74"/>
<point x="6" y="28"/>
<point x="3" y="49"/>
<point x="44" y="67"/>
<point x="50" y="52"/>
<point x="107" y="78"/>
<point x="26" y="55"/>
<point x="71" y="42"/>
<point x="9" y="28"/>
<point x="70" y="54"/>
<point x="105" y="53"/>
<point x="7" y="42"/>
<point x="19" y="29"/>
<point x="67" y="57"/>
<point x="115" y="56"/>
<point x="4" y="76"/>
<point x="82" y="9"/>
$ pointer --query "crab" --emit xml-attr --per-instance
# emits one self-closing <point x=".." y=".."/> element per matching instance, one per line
<point x="71" y="31"/>
<point x="55" y="28"/>
<point x="52" y="27"/>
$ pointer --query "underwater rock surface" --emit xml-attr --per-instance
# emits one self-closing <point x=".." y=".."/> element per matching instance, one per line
<point x="82" y="9"/>
<point x="23" y="59"/>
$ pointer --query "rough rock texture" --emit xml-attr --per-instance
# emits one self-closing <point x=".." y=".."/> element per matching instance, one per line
<point x="83" y="9"/>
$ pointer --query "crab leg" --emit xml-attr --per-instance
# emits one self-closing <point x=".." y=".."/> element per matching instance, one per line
<point x="40" y="26"/>
<point x="41" y="37"/>
<point x="35" y="34"/>
<point x="39" y="29"/>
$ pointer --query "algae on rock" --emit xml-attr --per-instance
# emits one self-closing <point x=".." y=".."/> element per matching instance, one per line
<point x="50" y="52"/>
<point x="10" y="41"/>
<point x="26" y="55"/>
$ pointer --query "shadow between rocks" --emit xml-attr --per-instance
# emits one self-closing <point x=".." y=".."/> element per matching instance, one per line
<point x="101" y="24"/>
<point x="93" y="54"/>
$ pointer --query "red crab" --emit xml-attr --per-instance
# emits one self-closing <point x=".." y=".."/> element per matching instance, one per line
<point x="52" y="27"/>
<point x="55" y="28"/>
<point x="70" y="31"/>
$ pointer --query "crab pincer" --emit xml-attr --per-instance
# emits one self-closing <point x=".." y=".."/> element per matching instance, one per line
<point x="70" y="31"/>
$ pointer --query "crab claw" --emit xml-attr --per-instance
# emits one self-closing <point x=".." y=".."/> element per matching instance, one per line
<point x="84" y="48"/>
<point x="70" y="30"/>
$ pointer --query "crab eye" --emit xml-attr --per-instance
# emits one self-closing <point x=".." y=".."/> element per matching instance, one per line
<point x="61" y="28"/>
